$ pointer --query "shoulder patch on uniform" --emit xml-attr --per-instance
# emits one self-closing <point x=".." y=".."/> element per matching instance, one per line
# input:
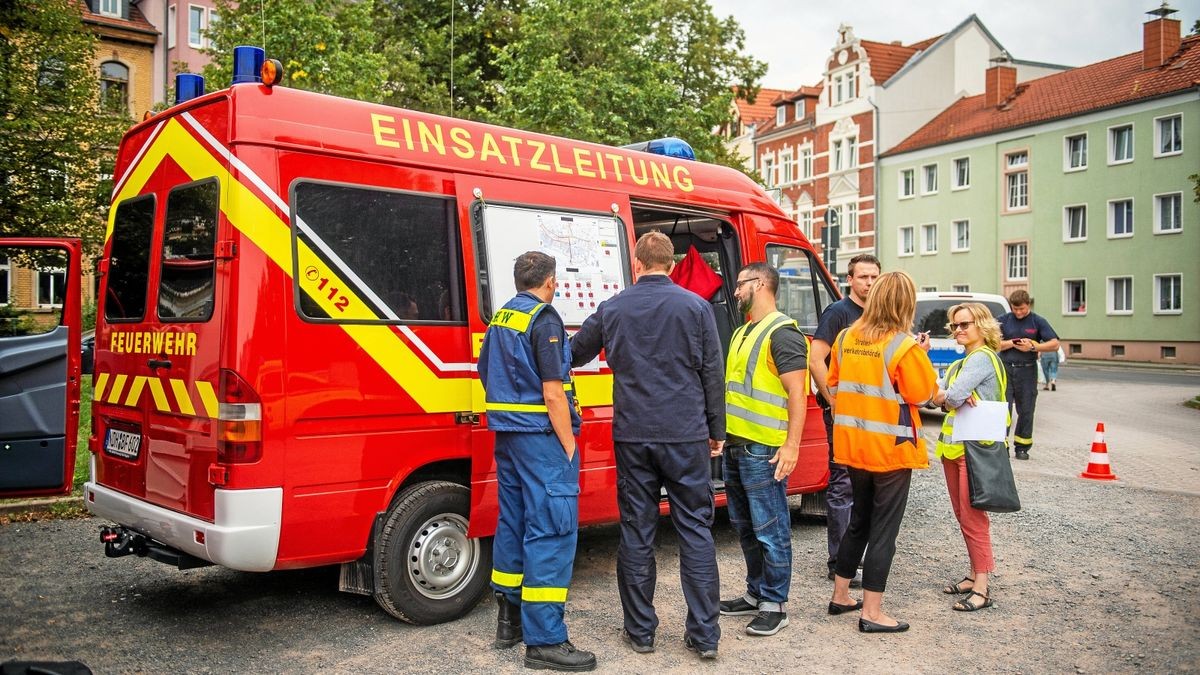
<point x="553" y="338"/>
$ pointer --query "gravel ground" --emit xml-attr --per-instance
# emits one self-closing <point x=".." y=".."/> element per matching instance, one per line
<point x="1092" y="577"/>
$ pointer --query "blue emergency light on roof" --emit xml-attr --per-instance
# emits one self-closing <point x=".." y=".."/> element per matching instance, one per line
<point x="188" y="86"/>
<point x="669" y="146"/>
<point x="247" y="64"/>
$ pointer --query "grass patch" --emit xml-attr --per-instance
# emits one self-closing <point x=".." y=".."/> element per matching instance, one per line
<point x="1194" y="403"/>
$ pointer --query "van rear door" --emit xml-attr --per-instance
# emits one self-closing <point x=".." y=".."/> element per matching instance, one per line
<point x="39" y="365"/>
<point x="158" y="341"/>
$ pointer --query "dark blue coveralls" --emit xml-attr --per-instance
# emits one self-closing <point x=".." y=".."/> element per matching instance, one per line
<point x="534" y="549"/>
<point x="1021" y="369"/>
<point x="661" y="343"/>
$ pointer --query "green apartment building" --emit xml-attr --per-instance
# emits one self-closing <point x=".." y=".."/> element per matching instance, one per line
<point x="1075" y="187"/>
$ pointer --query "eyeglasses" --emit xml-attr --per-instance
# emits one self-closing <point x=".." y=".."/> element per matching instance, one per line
<point x="742" y="281"/>
<point x="960" y="326"/>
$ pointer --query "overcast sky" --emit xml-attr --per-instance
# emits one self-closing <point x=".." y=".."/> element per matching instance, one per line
<point x="794" y="37"/>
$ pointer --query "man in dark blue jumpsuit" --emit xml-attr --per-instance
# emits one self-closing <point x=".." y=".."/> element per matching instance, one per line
<point x="1022" y="335"/>
<point x="524" y="366"/>
<point x="669" y="418"/>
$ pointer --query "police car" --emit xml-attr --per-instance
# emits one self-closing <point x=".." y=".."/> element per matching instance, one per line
<point x="931" y="317"/>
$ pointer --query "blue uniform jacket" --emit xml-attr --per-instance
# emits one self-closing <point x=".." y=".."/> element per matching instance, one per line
<point x="661" y="343"/>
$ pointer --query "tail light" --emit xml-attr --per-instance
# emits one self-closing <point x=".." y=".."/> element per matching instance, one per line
<point x="239" y="421"/>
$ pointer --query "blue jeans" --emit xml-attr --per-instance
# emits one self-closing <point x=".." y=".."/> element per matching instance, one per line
<point x="758" y="510"/>
<point x="1050" y="365"/>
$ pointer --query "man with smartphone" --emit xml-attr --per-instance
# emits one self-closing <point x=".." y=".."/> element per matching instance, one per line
<point x="1023" y="334"/>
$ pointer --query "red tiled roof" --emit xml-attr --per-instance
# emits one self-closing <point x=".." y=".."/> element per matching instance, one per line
<point x="926" y="43"/>
<point x="886" y="58"/>
<point x="761" y="109"/>
<point x="1117" y="81"/>
<point x="136" y="21"/>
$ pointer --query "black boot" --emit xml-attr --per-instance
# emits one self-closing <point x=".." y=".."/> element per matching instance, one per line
<point x="562" y="656"/>
<point x="508" y="623"/>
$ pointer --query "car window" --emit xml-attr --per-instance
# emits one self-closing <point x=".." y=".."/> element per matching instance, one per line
<point x="931" y="315"/>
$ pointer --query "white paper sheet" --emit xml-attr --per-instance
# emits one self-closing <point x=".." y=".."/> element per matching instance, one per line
<point x="984" y="422"/>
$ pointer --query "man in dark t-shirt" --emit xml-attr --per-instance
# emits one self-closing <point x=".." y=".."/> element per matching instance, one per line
<point x="861" y="275"/>
<point x="1023" y="335"/>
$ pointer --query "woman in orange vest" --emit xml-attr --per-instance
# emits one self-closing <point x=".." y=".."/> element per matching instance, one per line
<point x="879" y="375"/>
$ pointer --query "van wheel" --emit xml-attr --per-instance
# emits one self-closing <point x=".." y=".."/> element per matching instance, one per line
<point x="427" y="570"/>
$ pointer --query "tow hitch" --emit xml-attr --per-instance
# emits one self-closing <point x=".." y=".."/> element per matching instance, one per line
<point x="121" y="541"/>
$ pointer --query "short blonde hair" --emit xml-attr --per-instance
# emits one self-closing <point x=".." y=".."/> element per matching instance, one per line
<point x="891" y="305"/>
<point x="988" y="327"/>
<point x="655" y="251"/>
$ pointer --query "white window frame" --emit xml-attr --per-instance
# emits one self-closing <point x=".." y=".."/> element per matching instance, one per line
<point x="929" y="289"/>
<point x="1112" y="221"/>
<point x="851" y="152"/>
<point x="804" y="219"/>
<point x="912" y="241"/>
<point x="929" y="227"/>
<point x="960" y="288"/>
<point x="172" y="27"/>
<point x="199" y="44"/>
<point x="1067" y="155"/>
<point x="768" y="169"/>
<point x="929" y="187"/>
<point x="1012" y="171"/>
<point x="839" y="160"/>
<point x="6" y="266"/>
<point x="1110" y="284"/>
<point x="786" y="168"/>
<point x="1066" y="296"/>
<point x="849" y="217"/>
<point x="1112" y="148"/>
<point x="806" y="162"/>
<point x="954" y="247"/>
<point x="109" y="8"/>
<point x="798" y="109"/>
<point x="954" y="178"/>
<point x="213" y="17"/>
<point x="780" y="115"/>
<point x="1158" y="293"/>
<point x="912" y="175"/>
<point x="1158" y="135"/>
<point x="1158" y="211"/>
<point x="1067" y="223"/>
<point x="37" y="285"/>
<point x="1008" y="258"/>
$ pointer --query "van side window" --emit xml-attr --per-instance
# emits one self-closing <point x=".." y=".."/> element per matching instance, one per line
<point x="803" y="292"/>
<point x="186" y="289"/>
<point x="129" y="260"/>
<point x="372" y="255"/>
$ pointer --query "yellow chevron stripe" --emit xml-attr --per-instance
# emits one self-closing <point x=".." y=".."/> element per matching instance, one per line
<point x="101" y="382"/>
<point x="207" y="398"/>
<point x="160" y="397"/>
<point x="135" y="390"/>
<point x="251" y="216"/>
<point x="118" y="385"/>
<point x="182" y="397"/>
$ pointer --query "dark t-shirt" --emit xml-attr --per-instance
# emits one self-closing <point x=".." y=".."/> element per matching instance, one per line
<point x="547" y="337"/>
<point x="789" y="351"/>
<point x="1032" y="327"/>
<point x="836" y="318"/>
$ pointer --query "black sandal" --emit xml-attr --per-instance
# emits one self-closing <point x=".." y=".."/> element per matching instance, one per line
<point x="966" y="604"/>
<point x="956" y="589"/>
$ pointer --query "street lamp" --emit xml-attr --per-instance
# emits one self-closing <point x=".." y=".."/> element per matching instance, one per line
<point x="831" y="239"/>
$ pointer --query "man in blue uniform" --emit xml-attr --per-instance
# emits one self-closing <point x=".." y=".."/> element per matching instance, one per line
<point x="524" y="365"/>
<point x="860" y="275"/>
<point x="766" y="399"/>
<point x="668" y="420"/>
<point x="1023" y="334"/>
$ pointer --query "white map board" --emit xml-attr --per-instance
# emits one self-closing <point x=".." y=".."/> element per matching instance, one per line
<point x="588" y="248"/>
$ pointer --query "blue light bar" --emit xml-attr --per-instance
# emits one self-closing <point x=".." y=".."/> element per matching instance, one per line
<point x="669" y="147"/>
<point x="188" y="86"/>
<point x="247" y="64"/>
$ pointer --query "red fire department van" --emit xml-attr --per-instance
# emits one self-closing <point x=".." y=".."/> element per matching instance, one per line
<point x="293" y="293"/>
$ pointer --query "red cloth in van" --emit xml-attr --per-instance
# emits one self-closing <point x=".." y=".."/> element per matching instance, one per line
<point x="695" y="275"/>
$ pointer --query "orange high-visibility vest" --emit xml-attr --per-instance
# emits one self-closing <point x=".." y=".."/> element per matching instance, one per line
<point x="874" y="428"/>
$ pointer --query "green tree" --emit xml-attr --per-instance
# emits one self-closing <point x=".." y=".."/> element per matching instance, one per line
<point x="327" y="46"/>
<point x="55" y="143"/>
<point x="620" y="71"/>
<point x="423" y="39"/>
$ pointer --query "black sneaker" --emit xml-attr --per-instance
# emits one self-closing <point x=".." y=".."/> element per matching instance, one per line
<point x="706" y="653"/>
<point x="767" y="623"/>
<point x="738" y="607"/>
<point x="563" y="656"/>
<point x="1022" y="454"/>
<point x="637" y="645"/>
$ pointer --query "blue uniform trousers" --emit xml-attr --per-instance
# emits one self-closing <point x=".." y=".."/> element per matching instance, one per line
<point x="839" y="496"/>
<point x="534" y="549"/>
<point x="643" y="469"/>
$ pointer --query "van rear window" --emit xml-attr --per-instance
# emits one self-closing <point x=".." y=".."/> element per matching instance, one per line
<point x="371" y="255"/>
<point x="129" y="260"/>
<point x="186" y="287"/>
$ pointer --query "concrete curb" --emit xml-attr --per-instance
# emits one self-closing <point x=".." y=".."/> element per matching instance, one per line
<point x="1102" y="363"/>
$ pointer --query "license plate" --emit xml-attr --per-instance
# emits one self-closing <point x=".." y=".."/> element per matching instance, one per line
<point x="122" y="443"/>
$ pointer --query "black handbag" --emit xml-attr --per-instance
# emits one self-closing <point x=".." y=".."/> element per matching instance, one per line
<point x="990" y="475"/>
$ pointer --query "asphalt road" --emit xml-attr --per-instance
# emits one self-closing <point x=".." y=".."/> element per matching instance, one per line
<point x="1092" y="577"/>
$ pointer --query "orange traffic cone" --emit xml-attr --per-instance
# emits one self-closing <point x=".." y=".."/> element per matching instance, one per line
<point x="1098" y="467"/>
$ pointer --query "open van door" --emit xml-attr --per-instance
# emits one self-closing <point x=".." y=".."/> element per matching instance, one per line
<point x="39" y="365"/>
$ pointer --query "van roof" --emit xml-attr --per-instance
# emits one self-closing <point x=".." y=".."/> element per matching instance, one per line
<point x="319" y="123"/>
<point x="962" y="296"/>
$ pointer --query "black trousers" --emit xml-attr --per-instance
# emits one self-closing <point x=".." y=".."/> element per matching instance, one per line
<point x="1022" y="393"/>
<point x="879" y="503"/>
<point x="643" y="469"/>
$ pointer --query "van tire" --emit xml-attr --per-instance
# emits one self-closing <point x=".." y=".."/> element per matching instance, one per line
<point x="426" y="569"/>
